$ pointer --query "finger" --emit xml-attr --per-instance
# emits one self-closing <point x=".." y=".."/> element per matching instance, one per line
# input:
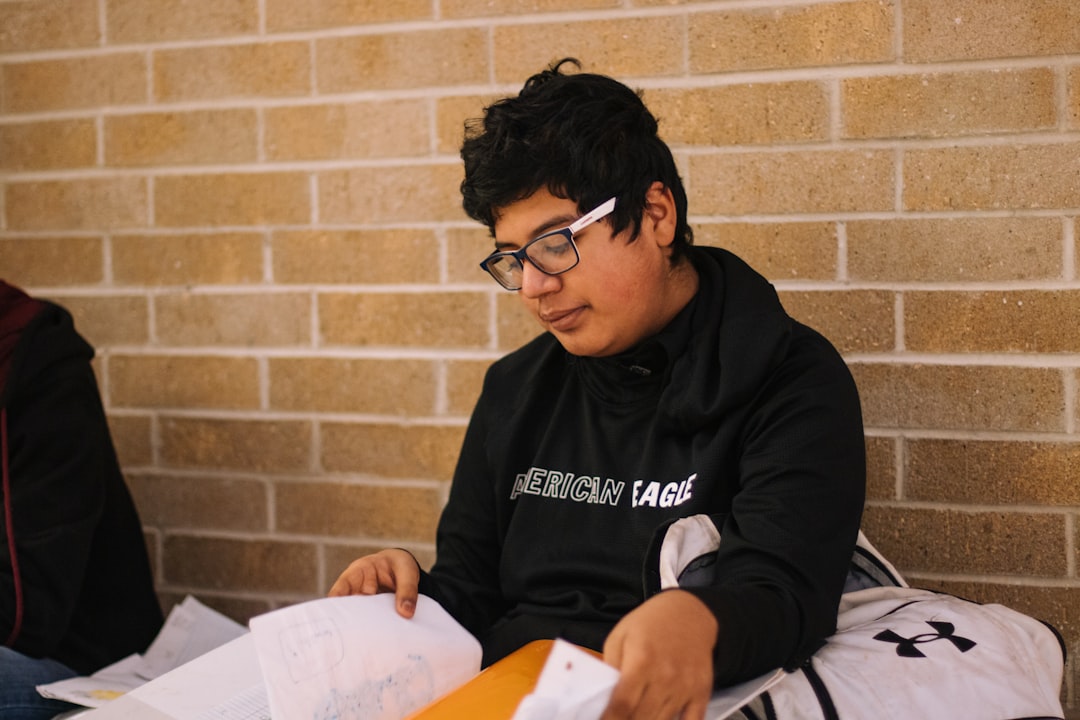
<point x="343" y="585"/>
<point x="695" y="710"/>
<point x="405" y="598"/>
<point x="338" y="589"/>
<point x="613" y="648"/>
<point x="406" y="584"/>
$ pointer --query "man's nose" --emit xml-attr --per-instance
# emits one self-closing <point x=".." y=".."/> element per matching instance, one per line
<point x="535" y="283"/>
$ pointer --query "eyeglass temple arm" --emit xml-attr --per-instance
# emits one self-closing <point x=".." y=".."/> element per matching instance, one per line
<point x="591" y="217"/>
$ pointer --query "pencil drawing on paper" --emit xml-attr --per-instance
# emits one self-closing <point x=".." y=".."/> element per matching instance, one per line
<point x="312" y="648"/>
<point x="409" y="687"/>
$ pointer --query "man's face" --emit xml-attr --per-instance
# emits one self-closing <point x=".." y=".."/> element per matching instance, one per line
<point x="618" y="293"/>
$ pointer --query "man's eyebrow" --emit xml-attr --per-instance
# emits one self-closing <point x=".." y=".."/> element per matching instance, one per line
<point x="555" y="223"/>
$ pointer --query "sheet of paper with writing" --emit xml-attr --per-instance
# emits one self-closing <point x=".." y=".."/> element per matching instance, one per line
<point x="356" y="657"/>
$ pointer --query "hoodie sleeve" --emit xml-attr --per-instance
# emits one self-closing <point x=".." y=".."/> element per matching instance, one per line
<point x="57" y="457"/>
<point x="786" y="544"/>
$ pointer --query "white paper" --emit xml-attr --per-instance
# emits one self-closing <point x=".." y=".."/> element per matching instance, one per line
<point x="223" y="684"/>
<point x="355" y="656"/>
<point x="190" y="630"/>
<point x="573" y="685"/>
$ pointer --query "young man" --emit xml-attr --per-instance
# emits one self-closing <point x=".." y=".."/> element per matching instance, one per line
<point x="76" y="592"/>
<point x="670" y="384"/>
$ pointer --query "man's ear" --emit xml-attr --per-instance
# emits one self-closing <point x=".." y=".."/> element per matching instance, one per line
<point x="659" y="218"/>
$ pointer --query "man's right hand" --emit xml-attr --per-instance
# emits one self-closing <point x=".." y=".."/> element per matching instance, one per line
<point x="392" y="570"/>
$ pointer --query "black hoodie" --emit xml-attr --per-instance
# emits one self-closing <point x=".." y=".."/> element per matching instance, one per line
<point x="75" y="580"/>
<point x="571" y="466"/>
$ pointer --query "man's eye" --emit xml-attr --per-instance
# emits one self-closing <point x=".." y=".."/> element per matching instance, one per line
<point x="556" y="246"/>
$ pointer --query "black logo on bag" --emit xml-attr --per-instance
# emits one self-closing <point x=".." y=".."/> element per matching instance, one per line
<point x="905" y="647"/>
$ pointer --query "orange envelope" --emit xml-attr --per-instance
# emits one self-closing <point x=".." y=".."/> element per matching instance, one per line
<point x="494" y="693"/>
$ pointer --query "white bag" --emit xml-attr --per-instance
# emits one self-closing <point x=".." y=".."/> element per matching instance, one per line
<point x="898" y="652"/>
<point x="908" y="653"/>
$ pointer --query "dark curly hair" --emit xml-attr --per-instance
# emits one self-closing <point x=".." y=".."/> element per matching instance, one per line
<point x="581" y="136"/>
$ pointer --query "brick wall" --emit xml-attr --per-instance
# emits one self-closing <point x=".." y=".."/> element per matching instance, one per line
<point x="251" y="208"/>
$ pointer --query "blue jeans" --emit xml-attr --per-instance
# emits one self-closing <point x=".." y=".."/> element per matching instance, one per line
<point x="19" y="676"/>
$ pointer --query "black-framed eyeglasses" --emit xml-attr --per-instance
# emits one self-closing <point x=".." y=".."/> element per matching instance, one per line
<point x="553" y="253"/>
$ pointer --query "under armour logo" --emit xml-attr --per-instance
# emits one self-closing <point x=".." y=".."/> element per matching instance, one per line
<point x="905" y="647"/>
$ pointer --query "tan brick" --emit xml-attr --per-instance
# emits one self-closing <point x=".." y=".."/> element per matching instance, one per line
<point x="244" y="320"/>
<point x="992" y="472"/>
<point x="1018" y="321"/>
<point x="838" y="33"/>
<point x="178" y="138"/>
<point x="960" y="397"/>
<point x="451" y="114"/>
<point x="619" y="47"/>
<point x="880" y="468"/>
<point x="48" y="145"/>
<point x="393" y="451"/>
<point x="792" y="182"/>
<point x="422" y="58"/>
<point x="87" y="204"/>
<point x="992" y="178"/>
<point x="248" y="445"/>
<point x="338" y="557"/>
<point x="965" y="249"/>
<point x="853" y="320"/>
<point x="779" y="251"/>
<point x="285" y="15"/>
<point x="274" y="69"/>
<point x="29" y="25"/>
<point x="375" y="511"/>
<point x="135" y="21"/>
<point x="404" y="193"/>
<point x="1074" y="97"/>
<point x="170" y="501"/>
<point x="131" y="436"/>
<point x="971" y="29"/>
<point x="751" y="114"/>
<point x="157" y="260"/>
<point x="391" y="128"/>
<point x="464" y="380"/>
<point x="1075" y="410"/>
<point x="948" y="104"/>
<point x="231" y="199"/>
<point x="432" y="319"/>
<point x="109" y="320"/>
<point x="356" y="256"/>
<point x="240" y="565"/>
<point x="465" y="248"/>
<point x="51" y="261"/>
<point x="516" y="325"/>
<point x="43" y="85"/>
<point x="383" y="387"/>
<point x="938" y="541"/>
<point x="183" y="381"/>
<point x="494" y="8"/>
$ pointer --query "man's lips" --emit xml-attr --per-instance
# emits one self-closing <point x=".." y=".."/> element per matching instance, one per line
<point x="560" y="319"/>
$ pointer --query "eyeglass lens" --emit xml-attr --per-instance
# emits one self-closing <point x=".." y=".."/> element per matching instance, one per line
<point x="553" y="253"/>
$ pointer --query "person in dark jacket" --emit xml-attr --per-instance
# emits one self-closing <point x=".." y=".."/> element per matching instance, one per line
<point x="76" y="590"/>
<point x="670" y="385"/>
